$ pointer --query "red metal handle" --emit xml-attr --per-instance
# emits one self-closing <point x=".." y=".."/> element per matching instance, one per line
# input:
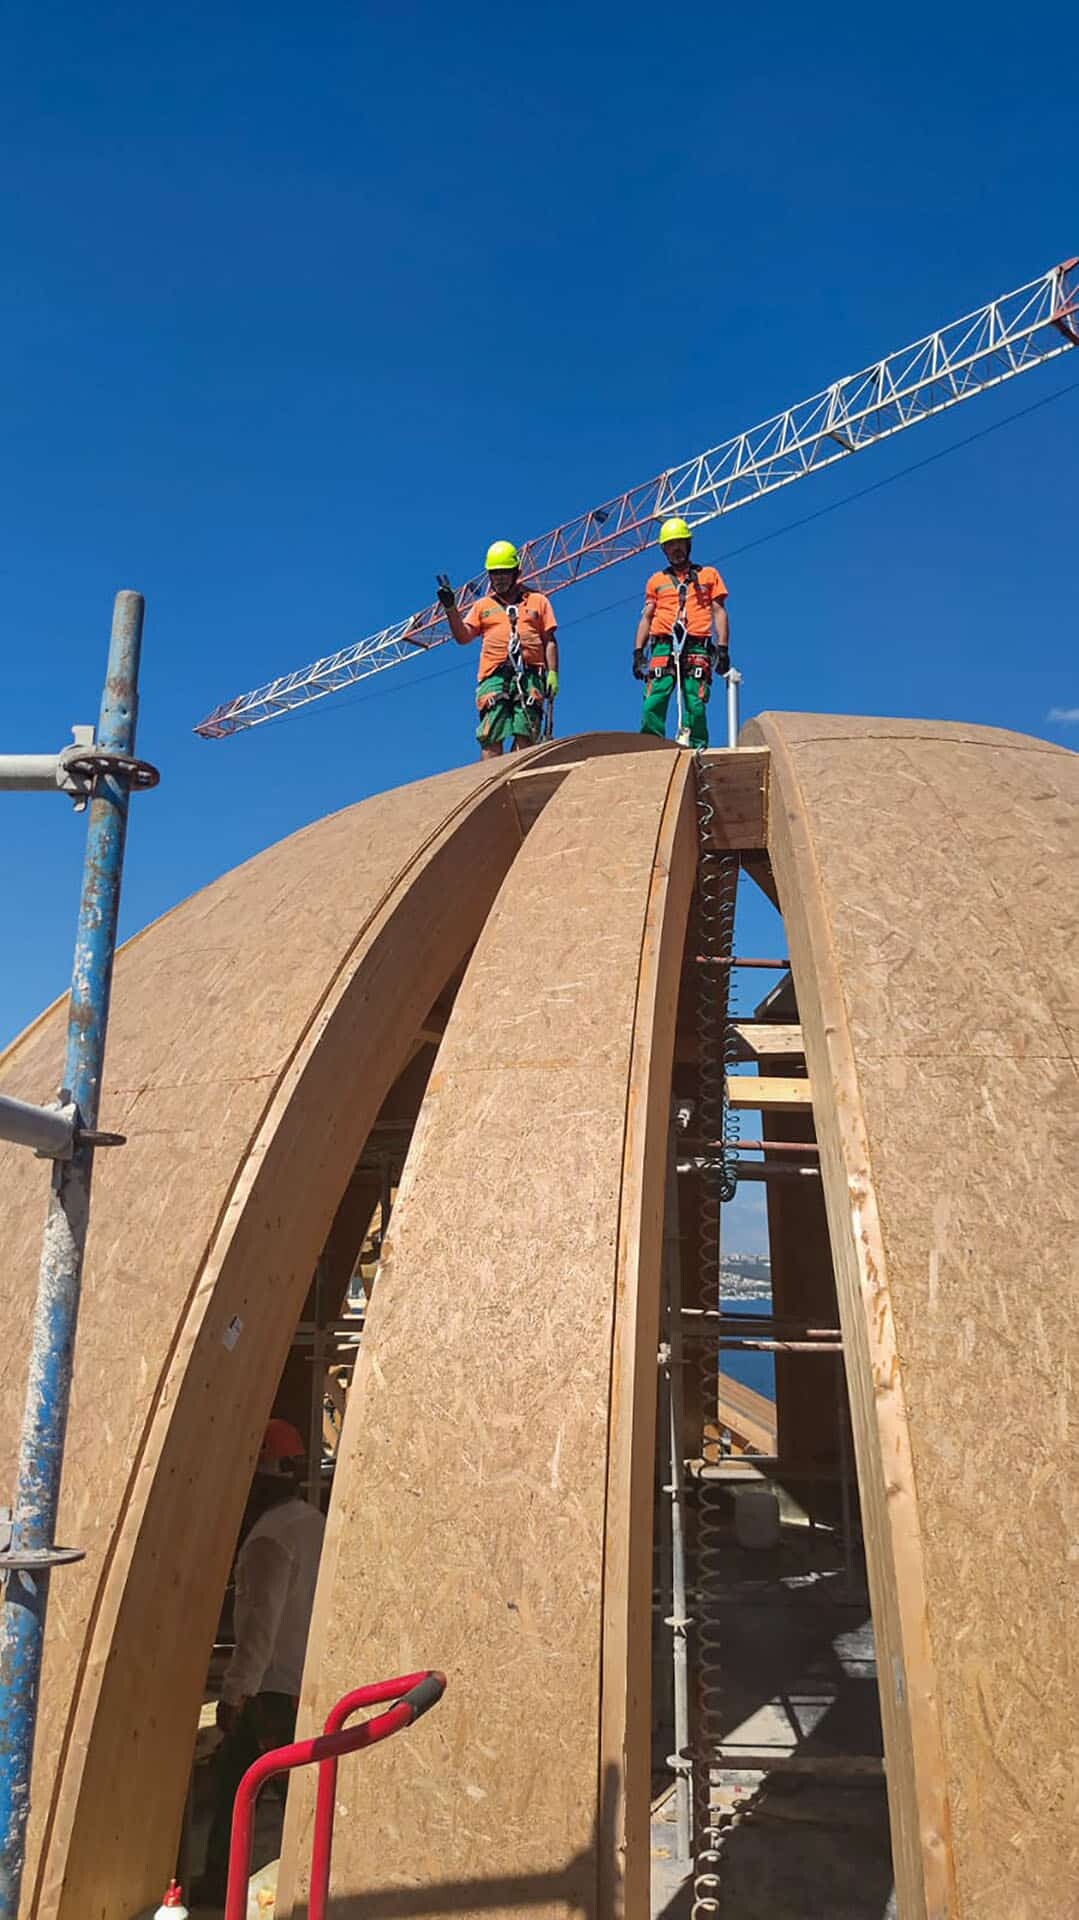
<point x="423" y="1690"/>
<point x="412" y="1694"/>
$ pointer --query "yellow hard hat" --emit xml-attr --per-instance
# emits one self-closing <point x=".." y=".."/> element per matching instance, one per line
<point x="500" y="554"/>
<point x="674" y="530"/>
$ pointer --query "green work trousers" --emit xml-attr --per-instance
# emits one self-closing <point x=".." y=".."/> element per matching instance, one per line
<point x="657" y="698"/>
<point x="504" y="714"/>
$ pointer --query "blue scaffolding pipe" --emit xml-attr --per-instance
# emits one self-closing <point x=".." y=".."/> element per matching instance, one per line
<point x="32" y="1553"/>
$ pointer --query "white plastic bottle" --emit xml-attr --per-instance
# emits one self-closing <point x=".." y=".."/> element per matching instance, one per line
<point x="172" y="1906"/>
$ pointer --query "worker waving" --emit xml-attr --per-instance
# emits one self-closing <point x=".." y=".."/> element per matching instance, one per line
<point x="685" y="620"/>
<point x="518" y="673"/>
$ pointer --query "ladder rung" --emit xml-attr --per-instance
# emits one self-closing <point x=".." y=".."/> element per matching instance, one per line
<point x="808" y="1147"/>
<point x="736" y="960"/>
<point x="830" y="1766"/>
<point x="772" y="1091"/>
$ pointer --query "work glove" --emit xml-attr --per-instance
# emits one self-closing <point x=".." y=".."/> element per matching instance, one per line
<point x="723" y="659"/>
<point x="552" y="681"/>
<point x="640" y="671"/>
<point x="445" y="592"/>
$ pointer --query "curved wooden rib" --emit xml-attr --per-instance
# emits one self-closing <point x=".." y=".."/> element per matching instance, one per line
<point x="928" y="880"/>
<point x="255" y="1032"/>
<point x="493" y="1499"/>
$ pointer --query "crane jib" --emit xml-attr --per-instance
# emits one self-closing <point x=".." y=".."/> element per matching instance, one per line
<point x="1006" y="337"/>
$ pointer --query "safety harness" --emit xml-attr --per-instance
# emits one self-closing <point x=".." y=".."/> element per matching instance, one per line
<point x="513" y="669"/>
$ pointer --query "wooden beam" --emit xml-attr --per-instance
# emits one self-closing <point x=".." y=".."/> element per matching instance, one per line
<point x="751" y="1416"/>
<point x="759" y="868"/>
<point x="737" y="783"/>
<point x="765" y="1039"/>
<point x="768" y="1092"/>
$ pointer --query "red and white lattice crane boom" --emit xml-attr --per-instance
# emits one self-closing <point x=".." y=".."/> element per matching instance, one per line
<point x="1006" y="337"/>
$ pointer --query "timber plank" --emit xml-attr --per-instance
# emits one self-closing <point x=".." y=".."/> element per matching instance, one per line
<point x="771" y="1093"/>
<point x="767" y="1039"/>
<point x="751" y="1416"/>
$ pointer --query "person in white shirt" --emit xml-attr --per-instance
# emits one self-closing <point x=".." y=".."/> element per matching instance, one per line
<point x="276" y="1572"/>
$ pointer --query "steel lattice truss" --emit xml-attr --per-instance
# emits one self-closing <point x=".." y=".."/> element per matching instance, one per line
<point x="1020" y="330"/>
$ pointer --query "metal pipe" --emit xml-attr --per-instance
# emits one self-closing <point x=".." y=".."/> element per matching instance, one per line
<point x="710" y="960"/>
<point x="729" y="1344"/>
<point x="756" y="1174"/>
<point x="64" y="772"/>
<point x="30" y="773"/>
<point x="41" y="1450"/>
<point x="692" y="1146"/>
<point x="758" y="1323"/>
<point x="734" y="681"/>
<point x="424" y="1691"/>
<point x="48" y="1130"/>
<point x="751" y="1170"/>
<point x="679" y="1621"/>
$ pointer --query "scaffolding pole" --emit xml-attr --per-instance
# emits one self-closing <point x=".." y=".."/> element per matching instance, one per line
<point x="680" y="1761"/>
<point x="27" y="1559"/>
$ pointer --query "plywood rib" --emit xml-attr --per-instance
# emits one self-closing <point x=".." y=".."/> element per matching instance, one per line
<point x="255" y="1032"/>
<point x="499" y="1433"/>
<point x="626" y="1696"/>
<point x="928" y="880"/>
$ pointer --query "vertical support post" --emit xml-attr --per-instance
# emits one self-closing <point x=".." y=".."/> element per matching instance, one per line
<point x="318" y="1388"/>
<point x="41" y="1449"/>
<point x="843" y="1435"/>
<point x="385" y="1205"/>
<point x="676" y="1532"/>
<point x="734" y="681"/>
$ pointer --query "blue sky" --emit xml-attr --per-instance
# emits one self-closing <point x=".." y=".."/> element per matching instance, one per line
<point x="302" y="306"/>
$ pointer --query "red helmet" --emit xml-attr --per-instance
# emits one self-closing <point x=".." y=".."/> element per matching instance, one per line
<point x="281" y="1444"/>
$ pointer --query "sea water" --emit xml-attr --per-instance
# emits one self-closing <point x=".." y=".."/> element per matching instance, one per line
<point x="756" y="1370"/>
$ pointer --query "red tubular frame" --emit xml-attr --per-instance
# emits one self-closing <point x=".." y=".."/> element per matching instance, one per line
<point x="412" y="1694"/>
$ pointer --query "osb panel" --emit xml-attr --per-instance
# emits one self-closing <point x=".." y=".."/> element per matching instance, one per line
<point x="470" y="1511"/>
<point x="245" y="1064"/>
<point x="948" y="921"/>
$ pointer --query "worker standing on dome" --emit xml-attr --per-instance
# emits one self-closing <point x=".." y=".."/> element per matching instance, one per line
<point x="685" y="622"/>
<point x="518" y="672"/>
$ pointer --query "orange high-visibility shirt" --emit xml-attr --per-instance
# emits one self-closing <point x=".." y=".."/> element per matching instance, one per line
<point x="661" y="601"/>
<point x="488" y="621"/>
